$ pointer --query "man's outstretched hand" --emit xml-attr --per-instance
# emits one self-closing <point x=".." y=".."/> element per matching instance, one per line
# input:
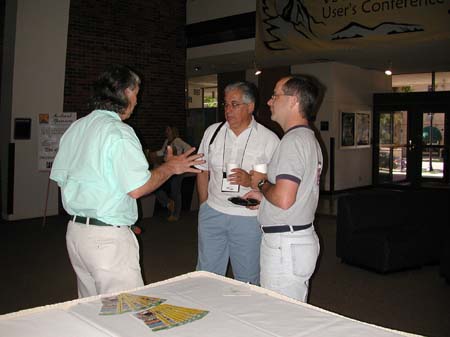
<point x="184" y="162"/>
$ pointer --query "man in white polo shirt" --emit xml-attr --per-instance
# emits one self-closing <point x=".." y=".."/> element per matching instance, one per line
<point x="227" y="231"/>
<point x="289" y="195"/>
<point x="101" y="170"/>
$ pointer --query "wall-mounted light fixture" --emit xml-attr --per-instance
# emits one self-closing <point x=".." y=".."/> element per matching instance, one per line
<point x="197" y="68"/>
<point x="388" y="71"/>
<point x="257" y="70"/>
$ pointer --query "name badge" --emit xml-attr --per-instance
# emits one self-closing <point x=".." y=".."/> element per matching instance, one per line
<point x="227" y="186"/>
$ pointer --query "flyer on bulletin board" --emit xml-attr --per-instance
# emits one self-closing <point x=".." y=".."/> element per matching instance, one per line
<point x="51" y="129"/>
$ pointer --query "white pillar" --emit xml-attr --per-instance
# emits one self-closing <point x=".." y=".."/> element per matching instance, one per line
<point x="33" y="71"/>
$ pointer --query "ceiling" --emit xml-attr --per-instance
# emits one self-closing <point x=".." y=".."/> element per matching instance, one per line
<point x="427" y="56"/>
<point x="420" y="81"/>
<point x="219" y="63"/>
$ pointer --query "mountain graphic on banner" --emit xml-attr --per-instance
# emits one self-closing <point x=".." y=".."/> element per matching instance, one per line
<point x="356" y="30"/>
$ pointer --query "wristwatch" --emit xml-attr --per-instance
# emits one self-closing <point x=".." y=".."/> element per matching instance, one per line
<point x="261" y="184"/>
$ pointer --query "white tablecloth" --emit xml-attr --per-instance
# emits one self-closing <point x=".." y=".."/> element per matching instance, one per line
<point x="235" y="309"/>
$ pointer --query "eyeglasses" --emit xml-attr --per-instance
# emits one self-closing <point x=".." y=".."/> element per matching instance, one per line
<point x="274" y="96"/>
<point x="233" y="105"/>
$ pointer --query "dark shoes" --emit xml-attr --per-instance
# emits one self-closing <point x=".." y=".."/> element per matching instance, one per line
<point x="171" y="206"/>
<point x="172" y="218"/>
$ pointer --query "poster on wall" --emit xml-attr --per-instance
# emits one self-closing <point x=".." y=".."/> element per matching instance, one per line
<point x="347" y="129"/>
<point x="362" y="129"/>
<point x="355" y="129"/>
<point x="51" y="128"/>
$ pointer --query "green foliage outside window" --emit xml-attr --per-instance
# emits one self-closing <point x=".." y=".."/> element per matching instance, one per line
<point x="210" y="102"/>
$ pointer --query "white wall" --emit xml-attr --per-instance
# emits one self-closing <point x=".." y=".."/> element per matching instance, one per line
<point x="204" y="10"/>
<point x="349" y="89"/>
<point x="38" y="68"/>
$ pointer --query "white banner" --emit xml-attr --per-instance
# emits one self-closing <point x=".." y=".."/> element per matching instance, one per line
<point x="344" y="30"/>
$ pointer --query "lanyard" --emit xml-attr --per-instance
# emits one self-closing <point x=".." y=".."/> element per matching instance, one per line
<point x="243" y="153"/>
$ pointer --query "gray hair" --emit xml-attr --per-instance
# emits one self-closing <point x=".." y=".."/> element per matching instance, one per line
<point x="249" y="91"/>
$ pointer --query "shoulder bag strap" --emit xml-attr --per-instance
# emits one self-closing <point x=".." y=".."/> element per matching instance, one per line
<point x="216" y="132"/>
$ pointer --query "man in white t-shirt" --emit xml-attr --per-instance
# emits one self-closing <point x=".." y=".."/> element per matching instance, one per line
<point x="290" y="192"/>
<point x="227" y="231"/>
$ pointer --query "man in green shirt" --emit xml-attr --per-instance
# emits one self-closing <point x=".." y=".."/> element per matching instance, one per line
<point x="101" y="170"/>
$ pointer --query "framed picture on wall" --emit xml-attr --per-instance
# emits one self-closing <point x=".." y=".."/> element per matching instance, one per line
<point x="355" y="129"/>
<point x="362" y="127"/>
<point x="347" y="129"/>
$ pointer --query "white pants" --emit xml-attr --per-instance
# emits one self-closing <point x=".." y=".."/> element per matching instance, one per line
<point x="288" y="261"/>
<point x="105" y="258"/>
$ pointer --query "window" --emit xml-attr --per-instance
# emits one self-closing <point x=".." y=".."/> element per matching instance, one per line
<point x="202" y="92"/>
<point x="210" y="97"/>
<point x="421" y="82"/>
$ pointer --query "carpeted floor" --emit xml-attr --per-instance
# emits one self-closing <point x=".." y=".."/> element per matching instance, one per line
<point x="36" y="271"/>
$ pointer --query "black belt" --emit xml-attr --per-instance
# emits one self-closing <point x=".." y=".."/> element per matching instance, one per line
<point x="284" y="228"/>
<point x="92" y="221"/>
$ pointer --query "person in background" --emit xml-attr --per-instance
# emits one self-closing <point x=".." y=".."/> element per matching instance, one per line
<point x="174" y="202"/>
<point x="101" y="170"/>
<point x="290" y="192"/>
<point x="227" y="231"/>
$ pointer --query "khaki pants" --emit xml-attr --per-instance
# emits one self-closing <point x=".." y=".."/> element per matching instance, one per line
<point x="288" y="261"/>
<point x="105" y="258"/>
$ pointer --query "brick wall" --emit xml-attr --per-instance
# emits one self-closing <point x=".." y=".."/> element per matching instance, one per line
<point x="148" y="36"/>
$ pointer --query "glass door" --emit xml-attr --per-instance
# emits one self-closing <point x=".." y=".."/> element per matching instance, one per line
<point x="392" y="149"/>
<point x="433" y="146"/>
<point x="410" y="139"/>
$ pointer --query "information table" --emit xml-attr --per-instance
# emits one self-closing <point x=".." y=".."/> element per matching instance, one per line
<point x="235" y="309"/>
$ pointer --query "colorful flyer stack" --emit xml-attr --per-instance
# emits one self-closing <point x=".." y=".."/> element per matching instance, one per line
<point x="125" y="302"/>
<point x="166" y="316"/>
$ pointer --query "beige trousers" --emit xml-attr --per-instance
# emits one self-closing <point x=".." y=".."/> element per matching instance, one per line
<point x="105" y="258"/>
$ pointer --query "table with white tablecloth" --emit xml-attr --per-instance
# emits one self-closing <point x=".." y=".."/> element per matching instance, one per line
<point x="235" y="309"/>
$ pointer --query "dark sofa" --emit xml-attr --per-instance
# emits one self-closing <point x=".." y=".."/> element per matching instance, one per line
<point x="390" y="230"/>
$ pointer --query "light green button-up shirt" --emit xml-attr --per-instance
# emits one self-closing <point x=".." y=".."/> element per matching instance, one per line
<point x="100" y="160"/>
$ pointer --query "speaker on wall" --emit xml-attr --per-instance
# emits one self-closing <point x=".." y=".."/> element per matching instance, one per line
<point x="22" y="128"/>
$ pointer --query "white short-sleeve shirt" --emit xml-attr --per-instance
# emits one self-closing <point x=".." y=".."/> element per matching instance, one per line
<point x="255" y="145"/>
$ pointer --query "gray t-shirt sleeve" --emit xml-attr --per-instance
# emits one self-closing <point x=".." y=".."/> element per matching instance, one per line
<point x="291" y="165"/>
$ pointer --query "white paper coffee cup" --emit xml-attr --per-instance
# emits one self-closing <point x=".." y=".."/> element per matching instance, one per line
<point x="231" y="166"/>
<point x="261" y="168"/>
